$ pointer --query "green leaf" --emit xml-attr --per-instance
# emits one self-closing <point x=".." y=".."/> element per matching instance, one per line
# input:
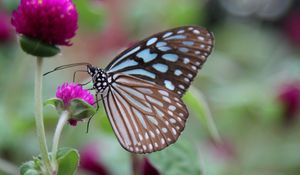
<point x="29" y="168"/>
<point x="80" y="109"/>
<point x="38" y="48"/>
<point x="68" y="161"/>
<point x="195" y="100"/>
<point x="178" y="159"/>
<point x="55" y="102"/>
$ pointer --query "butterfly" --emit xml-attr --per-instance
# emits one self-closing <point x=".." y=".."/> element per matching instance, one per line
<point x="141" y="88"/>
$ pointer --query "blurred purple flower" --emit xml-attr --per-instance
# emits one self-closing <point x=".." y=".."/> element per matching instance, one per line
<point x="90" y="160"/>
<point x="289" y="96"/>
<point x="52" y="21"/>
<point x="5" y="27"/>
<point x="68" y="92"/>
<point x="148" y="168"/>
<point x="292" y="26"/>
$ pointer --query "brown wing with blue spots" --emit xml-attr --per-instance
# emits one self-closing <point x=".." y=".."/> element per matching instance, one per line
<point x="170" y="58"/>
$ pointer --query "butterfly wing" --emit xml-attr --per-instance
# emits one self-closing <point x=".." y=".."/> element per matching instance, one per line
<point x="145" y="117"/>
<point x="170" y="58"/>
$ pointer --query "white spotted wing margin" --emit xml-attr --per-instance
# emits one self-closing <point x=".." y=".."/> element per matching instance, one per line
<point x="144" y="116"/>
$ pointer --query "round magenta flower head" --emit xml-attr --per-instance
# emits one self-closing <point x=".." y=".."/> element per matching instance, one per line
<point x="52" y="22"/>
<point x="76" y="100"/>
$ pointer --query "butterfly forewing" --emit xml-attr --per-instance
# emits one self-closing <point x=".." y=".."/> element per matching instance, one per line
<point x="170" y="59"/>
<point x="145" y="117"/>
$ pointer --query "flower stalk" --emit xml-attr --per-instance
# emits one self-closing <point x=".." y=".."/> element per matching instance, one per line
<point x="60" y="125"/>
<point x="135" y="164"/>
<point x="39" y="114"/>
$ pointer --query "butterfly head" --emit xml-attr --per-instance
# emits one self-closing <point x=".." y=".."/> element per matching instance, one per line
<point x="99" y="78"/>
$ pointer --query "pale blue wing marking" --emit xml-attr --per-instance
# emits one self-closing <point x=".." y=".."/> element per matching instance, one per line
<point x="167" y="34"/>
<point x="178" y="72"/>
<point x="160" y="67"/>
<point x="146" y="55"/>
<point x="188" y="43"/>
<point x="176" y="37"/>
<point x="170" y="57"/>
<point x="159" y="44"/>
<point x="164" y="48"/>
<point x="140" y="72"/>
<point x="183" y="49"/>
<point x="126" y="55"/>
<point x="151" y="41"/>
<point x="169" y="85"/>
<point x="122" y="65"/>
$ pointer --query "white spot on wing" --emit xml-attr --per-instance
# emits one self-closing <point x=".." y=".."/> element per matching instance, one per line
<point x="167" y="34"/>
<point x="180" y="31"/>
<point x="172" y="120"/>
<point x="166" y="99"/>
<point x="196" y="31"/>
<point x="201" y="38"/>
<point x="169" y="84"/>
<point x="183" y="49"/>
<point x="178" y="72"/>
<point x="176" y="37"/>
<point x="151" y="41"/>
<point x="152" y="120"/>
<point x="172" y="108"/>
<point x="174" y="131"/>
<point x="162" y="92"/>
<point x="186" y="60"/>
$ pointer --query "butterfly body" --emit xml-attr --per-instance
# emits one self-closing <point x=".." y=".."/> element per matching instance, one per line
<point x="99" y="78"/>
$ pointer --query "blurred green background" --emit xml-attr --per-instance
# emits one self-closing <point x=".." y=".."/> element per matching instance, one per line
<point x="250" y="86"/>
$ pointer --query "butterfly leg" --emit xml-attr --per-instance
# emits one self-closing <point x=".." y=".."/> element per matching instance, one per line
<point x="83" y="84"/>
<point x="97" y="100"/>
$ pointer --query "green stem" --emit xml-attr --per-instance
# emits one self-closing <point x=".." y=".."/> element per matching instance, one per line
<point x="212" y="128"/>
<point x="39" y="114"/>
<point x="60" y="125"/>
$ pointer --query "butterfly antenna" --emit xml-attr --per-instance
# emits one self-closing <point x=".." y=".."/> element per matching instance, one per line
<point x="66" y="66"/>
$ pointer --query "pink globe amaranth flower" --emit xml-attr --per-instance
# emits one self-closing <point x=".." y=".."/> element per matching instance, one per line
<point x="68" y="92"/>
<point x="5" y="27"/>
<point x="289" y="96"/>
<point x="51" y="21"/>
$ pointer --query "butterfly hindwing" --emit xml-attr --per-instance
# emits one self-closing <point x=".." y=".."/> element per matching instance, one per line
<point x="145" y="117"/>
<point x="170" y="58"/>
